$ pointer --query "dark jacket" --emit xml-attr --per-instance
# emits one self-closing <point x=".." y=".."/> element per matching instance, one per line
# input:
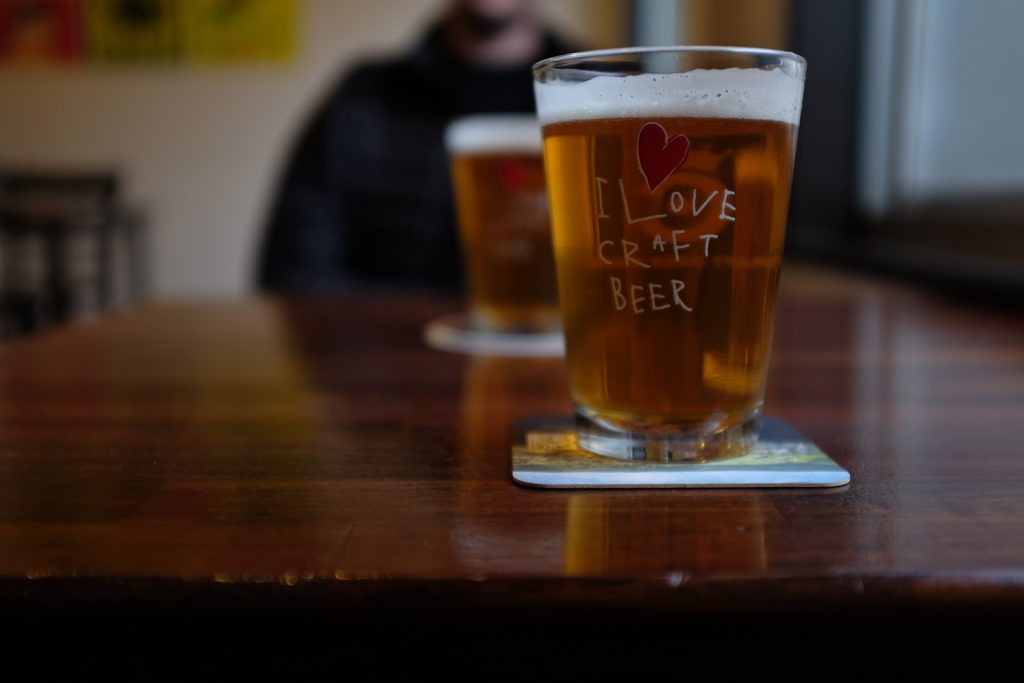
<point x="366" y="197"/>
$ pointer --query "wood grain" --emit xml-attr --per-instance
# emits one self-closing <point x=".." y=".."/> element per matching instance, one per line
<point x="320" y="447"/>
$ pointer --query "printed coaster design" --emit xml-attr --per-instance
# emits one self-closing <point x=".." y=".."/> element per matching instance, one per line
<point x="545" y="456"/>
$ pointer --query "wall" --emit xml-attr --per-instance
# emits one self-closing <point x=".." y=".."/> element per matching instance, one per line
<point x="200" y="148"/>
<point x="942" y="103"/>
<point x="749" y="23"/>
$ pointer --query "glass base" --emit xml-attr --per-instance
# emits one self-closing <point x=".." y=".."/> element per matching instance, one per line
<point x="710" y="440"/>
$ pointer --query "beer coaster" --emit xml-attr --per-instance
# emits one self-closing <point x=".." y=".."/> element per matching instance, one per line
<point x="457" y="333"/>
<point x="546" y="456"/>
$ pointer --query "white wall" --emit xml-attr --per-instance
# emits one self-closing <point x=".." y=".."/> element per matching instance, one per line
<point x="200" y="147"/>
<point x="943" y="102"/>
<point x="971" y="98"/>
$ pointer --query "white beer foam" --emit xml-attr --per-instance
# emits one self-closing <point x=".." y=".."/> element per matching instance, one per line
<point x="769" y="95"/>
<point x="494" y="133"/>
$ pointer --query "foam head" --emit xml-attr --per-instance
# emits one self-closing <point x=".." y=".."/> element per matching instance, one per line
<point x="766" y="94"/>
<point x="493" y="133"/>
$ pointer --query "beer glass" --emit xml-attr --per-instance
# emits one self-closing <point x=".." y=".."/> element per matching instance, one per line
<point x="668" y="177"/>
<point x="501" y="201"/>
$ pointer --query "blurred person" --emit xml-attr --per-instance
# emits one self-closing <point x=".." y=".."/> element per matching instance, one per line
<point x="366" y="197"/>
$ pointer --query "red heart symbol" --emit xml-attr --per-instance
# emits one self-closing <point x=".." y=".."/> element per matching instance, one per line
<point x="659" y="156"/>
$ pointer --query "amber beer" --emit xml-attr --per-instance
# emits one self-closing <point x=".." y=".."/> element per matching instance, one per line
<point x="501" y="201"/>
<point x="669" y="195"/>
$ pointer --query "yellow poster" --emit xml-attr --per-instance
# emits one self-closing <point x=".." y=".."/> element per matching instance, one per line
<point x="132" y="30"/>
<point x="238" y="30"/>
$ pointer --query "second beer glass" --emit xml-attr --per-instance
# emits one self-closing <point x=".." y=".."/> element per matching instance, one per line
<point x="500" y="195"/>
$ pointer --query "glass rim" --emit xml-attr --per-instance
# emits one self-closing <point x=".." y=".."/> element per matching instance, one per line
<point x="554" y="62"/>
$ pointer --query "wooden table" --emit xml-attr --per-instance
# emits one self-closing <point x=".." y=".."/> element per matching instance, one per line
<point x="279" y="464"/>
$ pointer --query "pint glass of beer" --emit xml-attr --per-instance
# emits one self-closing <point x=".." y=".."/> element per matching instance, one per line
<point x="501" y="200"/>
<point x="668" y="175"/>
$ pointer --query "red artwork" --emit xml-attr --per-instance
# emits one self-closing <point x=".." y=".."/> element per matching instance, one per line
<point x="40" y="31"/>
<point x="659" y="155"/>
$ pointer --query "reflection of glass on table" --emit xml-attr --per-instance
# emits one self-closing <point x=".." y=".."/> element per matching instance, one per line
<point x="620" y="534"/>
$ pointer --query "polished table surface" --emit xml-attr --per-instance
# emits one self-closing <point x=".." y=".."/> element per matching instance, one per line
<point x="317" y="452"/>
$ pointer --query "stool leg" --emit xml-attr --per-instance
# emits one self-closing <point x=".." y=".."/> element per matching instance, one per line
<point x="57" y="300"/>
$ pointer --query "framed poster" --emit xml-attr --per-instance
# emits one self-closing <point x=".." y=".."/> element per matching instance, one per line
<point x="133" y="30"/>
<point x="40" y="31"/>
<point x="238" y="30"/>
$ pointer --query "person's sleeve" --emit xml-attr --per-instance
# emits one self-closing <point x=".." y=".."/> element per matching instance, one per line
<point x="304" y="240"/>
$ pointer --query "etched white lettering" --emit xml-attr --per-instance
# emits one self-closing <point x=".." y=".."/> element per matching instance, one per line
<point x="625" y="208"/>
<point x="676" y="201"/>
<point x="600" y="182"/>
<point x="676" y="246"/>
<point x="693" y="204"/>
<point x="630" y="248"/>
<point x="617" y="296"/>
<point x="726" y="205"/>
<point x="677" y="290"/>
<point x="600" y="252"/>
<point x="707" y="242"/>
<point x="637" y="300"/>
<point x="654" y="290"/>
